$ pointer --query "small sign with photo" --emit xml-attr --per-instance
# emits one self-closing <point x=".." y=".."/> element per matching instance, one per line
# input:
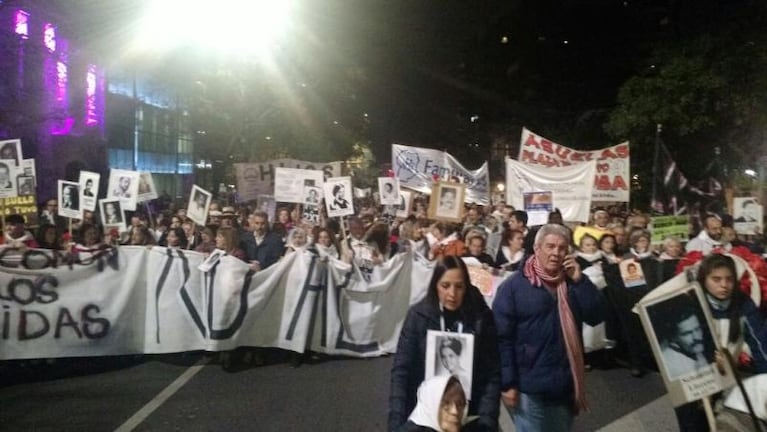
<point x="388" y="190"/>
<point x="8" y="178"/>
<point x="449" y="353"/>
<point x="405" y="205"/>
<point x="748" y="214"/>
<point x="146" y="189"/>
<point x="338" y="196"/>
<point x="631" y="273"/>
<point x="89" y="189"/>
<point x="25" y="185"/>
<point x="538" y="205"/>
<point x="199" y="202"/>
<point x="11" y="150"/>
<point x="69" y="200"/>
<point x="112" y="213"/>
<point x="446" y="203"/>
<point x="123" y="184"/>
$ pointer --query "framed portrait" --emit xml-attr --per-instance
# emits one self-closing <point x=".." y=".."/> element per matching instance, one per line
<point x="211" y="260"/>
<point x="146" y="189"/>
<point x="748" y="214"/>
<point x="25" y="185"/>
<point x="199" y="202"/>
<point x="28" y="167"/>
<point x="446" y="202"/>
<point x="69" y="200"/>
<point x="338" y="196"/>
<point x="312" y="196"/>
<point x="449" y="353"/>
<point x="112" y="213"/>
<point x="89" y="189"/>
<point x="123" y="185"/>
<point x="678" y="325"/>
<point x="11" y="150"/>
<point x="388" y="190"/>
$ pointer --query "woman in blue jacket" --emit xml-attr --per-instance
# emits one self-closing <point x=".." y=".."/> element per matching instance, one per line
<point x="451" y="304"/>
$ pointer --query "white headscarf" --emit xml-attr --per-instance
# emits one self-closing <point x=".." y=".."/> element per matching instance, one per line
<point x="430" y="392"/>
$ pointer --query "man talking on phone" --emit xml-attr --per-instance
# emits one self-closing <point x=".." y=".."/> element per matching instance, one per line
<point x="539" y="313"/>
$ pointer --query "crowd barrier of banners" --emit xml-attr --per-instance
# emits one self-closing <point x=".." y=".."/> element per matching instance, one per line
<point x="612" y="177"/>
<point x="132" y="300"/>
<point x="568" y="187"/>
<point x="257" y="178"/>
<point x="416" y="168"/>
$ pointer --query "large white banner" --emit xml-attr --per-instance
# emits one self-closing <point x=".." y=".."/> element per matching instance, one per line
<point x="570" y="186"/>
<point x="257" y="178"/>
<point x="416" y="167"/>
<point x="290" y="183"/>
<point x="138" y="300"/>
<point x="611" y="182"/>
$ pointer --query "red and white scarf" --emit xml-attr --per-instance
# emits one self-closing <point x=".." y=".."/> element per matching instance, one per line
<point x="538" y="277"/>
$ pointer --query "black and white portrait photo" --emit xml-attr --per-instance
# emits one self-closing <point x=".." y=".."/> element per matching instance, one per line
<point x="450" y="353"/>
<point x="312" y="195"/>
<point x="112" y="214"/>
<point x="748" y="214"/>
<point x="199" y="201"/>
<point x="11" y="150"/>
<point x="338" y="196"/>
<point x="405" y="205"/>
<point x="26" y="185"/>
<point x="683" y="335"/>
<point x="388" y="190"/>
<point x="447" y="202"/>
<point x="146" y="188"/>
<point x="7" y="178"/>
<point x="89" y="189"/>
<point x="123" y="184"/>
<point x="69" y="200"/>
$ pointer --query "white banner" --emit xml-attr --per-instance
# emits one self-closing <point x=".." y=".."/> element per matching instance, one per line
<point x="257" y="178"/>
<point x="612" y="179"/>
<point x="289" y="183"/>
<point x="416" y="167"/>
<point x="133" y="300"/>
<point x="570" y="186"/>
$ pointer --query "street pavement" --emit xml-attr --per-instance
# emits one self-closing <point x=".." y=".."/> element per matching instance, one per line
<point x="193" y="393"/>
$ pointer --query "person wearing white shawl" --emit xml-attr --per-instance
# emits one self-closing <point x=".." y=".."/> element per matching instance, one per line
<point x="441" y="406"/>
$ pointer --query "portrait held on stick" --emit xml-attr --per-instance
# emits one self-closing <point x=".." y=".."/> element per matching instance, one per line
<point x="446" y="202"/>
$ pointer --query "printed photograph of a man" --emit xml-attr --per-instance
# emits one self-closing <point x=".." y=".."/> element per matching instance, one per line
<point x="685" y="341"/>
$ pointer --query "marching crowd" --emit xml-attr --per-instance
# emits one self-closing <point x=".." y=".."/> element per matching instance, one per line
<point x="529" y="349"/>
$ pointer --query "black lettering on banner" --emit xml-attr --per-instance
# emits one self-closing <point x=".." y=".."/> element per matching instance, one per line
<point x="158" y="290"/>
<point x="6" y="321"/>
<point x="45" y="295"/>
<point x="266" y="173"/>
<point x="242" y="311"/>
<point x="340" y="342"/>
<point x="24" y="324"/>
<point x="186" y="298"/>
<point x="307" y="286"/>
<point x="101" y="325"/>
<point x="24" y="285"/>
<point x="65" y="320"/>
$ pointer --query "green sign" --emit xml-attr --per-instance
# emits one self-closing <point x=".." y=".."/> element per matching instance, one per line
<point x="663" y="227"/>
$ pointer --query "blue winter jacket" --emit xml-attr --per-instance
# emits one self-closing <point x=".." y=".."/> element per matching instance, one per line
<point x="533" y="355"/>
<point x="754" y="331"/>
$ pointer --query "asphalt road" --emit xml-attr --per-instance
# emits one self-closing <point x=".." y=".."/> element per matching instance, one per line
<point x="193" y="393"/>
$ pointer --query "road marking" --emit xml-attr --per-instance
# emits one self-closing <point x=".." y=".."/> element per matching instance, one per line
<point x="161" y="397"/>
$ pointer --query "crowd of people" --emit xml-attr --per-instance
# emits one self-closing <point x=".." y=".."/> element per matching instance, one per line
<point x="529" y="348"/>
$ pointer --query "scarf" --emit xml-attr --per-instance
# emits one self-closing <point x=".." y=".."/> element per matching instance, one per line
<point x="591" y="257"/>
<point x="538" y="277"/>
<point x="638" y="255"/>
<point x="14" y="241"/>
<point x="512" y="258"/>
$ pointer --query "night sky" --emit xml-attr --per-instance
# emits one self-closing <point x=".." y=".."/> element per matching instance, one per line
<point x="422" y="69"/>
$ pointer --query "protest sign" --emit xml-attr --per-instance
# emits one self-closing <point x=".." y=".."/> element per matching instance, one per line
<point x="289" y="183"/>
<point x="748" y="215"/>
<point x="258" y="178"/>
<point x="663" y="227"/>
<point x="612" y="176"/>
<point x="416" y="168"/>
<point x="570" y="186"/>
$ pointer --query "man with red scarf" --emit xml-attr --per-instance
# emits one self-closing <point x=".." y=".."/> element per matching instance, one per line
<point x="539" y="313"/>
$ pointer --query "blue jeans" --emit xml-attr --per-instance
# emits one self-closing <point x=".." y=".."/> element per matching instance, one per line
<point x="533" y="414"/>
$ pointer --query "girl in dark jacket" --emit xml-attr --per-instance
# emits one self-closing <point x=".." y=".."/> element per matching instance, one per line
<point x="451" y="304"/>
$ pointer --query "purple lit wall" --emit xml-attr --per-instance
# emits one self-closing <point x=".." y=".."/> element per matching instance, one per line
<point x="49" y="37"/>
<point x="94" y="97"/>
<point x="21" y="24"/>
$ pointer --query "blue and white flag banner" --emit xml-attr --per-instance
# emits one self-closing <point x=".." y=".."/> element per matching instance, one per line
<point x="416" y="168"/>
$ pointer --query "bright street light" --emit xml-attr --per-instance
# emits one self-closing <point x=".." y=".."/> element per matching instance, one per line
<point x="248" y="27"/>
